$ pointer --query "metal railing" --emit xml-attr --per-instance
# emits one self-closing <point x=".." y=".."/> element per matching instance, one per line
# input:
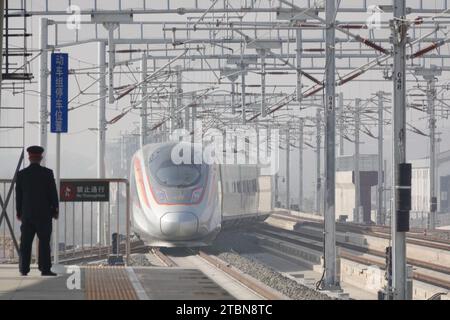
<point x="85" y="229"/>
<point x="8" y="252"/>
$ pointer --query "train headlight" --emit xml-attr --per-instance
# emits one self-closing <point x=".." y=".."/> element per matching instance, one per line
<point x="160" y="196"/>
<point x="196" y="195"/>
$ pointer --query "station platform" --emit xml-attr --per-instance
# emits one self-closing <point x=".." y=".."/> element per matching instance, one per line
<point x="110" y="283"/>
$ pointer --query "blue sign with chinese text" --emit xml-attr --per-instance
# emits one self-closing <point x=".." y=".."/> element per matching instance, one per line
<point x="59" y="92"/>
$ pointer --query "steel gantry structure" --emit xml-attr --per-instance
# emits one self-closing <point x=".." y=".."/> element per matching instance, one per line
<point x="263" y="63"/>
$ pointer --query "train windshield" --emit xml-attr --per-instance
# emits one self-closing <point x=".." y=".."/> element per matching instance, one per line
<point x="178" y="176"/>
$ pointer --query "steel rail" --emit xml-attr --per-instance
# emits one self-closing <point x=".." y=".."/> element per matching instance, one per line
<point x="250" y="282"/>
<point x="357" y="258"/>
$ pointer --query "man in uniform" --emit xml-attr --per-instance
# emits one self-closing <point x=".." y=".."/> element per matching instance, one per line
<point x="36" y="205"/>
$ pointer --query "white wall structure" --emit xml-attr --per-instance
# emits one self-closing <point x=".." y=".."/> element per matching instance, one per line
<point x="345" y="195"/>
<point x="420" y="185"/>
<point x="420" y="189"/>
<point x="345" y="185"/>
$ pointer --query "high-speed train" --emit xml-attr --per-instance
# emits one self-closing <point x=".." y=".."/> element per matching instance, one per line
<point x="187" y="204"/>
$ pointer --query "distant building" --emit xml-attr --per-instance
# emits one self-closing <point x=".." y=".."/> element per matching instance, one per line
<point x="420" y="190"/>
<point x="345" y="186"/>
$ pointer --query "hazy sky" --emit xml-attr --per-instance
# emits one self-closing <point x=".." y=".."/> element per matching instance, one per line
<point x="79" y="146"/>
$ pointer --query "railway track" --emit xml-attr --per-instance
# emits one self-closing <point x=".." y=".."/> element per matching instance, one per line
<point x="163" y="258"/>
<point x="319" y="238"/>
<point x="80" y="255"/>
<point x="179" y="260"/>
<point x="255" y="285"/>
<point x="413" y="237"/>
<point x="352" y="253"/>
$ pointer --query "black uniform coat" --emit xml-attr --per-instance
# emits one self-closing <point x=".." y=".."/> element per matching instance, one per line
<point x="36" y="194"/>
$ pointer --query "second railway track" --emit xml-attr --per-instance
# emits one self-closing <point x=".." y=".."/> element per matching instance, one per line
<point x="429" y="273"/>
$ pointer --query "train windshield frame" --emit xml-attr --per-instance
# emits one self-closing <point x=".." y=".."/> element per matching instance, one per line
<point x="173" y="175"/>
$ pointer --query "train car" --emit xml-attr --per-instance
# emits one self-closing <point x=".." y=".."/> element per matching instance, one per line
<point x="187" y="204"/>
<point x="246" y="196"/>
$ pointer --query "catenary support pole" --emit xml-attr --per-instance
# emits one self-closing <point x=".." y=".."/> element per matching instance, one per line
<point x="288" y="165"/>
<point x="298" y="55"/>
<point x="233" y="97"/>
<point x="276" y="176"/>
<point x="2" y="16"/>
<point x="193" y="118"/>
<point x="399" y="26"/>
<point x="101" y="137"/>
<point x="187" y="118"/>
<point x="111" y="59"/>
<point x="144" y="105"/>
<point x="341" y="124"/>
<point x="431" y="96"/>
<point x="262" y="54"/>
<point x="380" y="185"/>
<point x="357" y="214"/>
<point x="179" y="96"/>
<point x="318" y="165"/>
<point x="43" y="85"/>
<point x="243" y="67"/>
<point x="300" y="165"/>
<point x="330" y="279"/>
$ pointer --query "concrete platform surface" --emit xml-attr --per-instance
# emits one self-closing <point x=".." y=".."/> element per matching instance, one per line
<point x="110" y="283"/>
<point x="13" y="286"/>
<point x="179" y="284"/>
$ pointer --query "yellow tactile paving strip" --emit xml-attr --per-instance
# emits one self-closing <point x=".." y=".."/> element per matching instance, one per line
<point x="108" y="283"/>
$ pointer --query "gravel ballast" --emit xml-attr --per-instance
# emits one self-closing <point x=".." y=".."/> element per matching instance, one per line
<point x="226" y="246"/>
<point x="139" y="260"/>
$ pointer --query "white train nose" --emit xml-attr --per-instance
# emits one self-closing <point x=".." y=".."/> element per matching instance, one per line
<point x="179" y="224"/>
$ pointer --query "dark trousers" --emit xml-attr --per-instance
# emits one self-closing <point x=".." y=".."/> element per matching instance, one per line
<point x="43" y="230"/>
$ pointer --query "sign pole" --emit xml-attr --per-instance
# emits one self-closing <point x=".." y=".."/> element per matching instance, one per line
<point x="55" y="222"/>
<point x="58" y="124"/>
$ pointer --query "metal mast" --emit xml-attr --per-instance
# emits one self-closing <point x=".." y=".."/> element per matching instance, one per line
<point x="101" y="137"/>
<point x="298" y="54"/>
<point x="244" y="121"/>
<point x="262" y="54"/>
<point x="300" y="166"/>
<point x="318" y="146"/>
<point x="357" y="213"/>
<point x="2" y="16"/>
<point x="330" y="280"/>
<point x="179" y="96"/>
<point x="43" y="86"/>
<point x="400" y="216"/>
<point x="288" y="176"/>
<point x="430" y="74"/>
<point x="101" y="142"/>
<point x="380" y="186"/>
<point x="431" y="96"/>
<point x="341" y="124"/>
<point x="144" y="104"/>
